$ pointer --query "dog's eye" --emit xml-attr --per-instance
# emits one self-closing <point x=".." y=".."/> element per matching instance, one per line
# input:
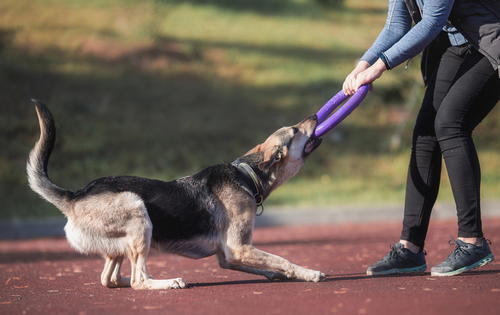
<point x="295" y="130"/>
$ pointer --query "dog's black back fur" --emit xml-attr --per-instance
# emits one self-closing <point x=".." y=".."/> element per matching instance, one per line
<point x="162" y="202"/>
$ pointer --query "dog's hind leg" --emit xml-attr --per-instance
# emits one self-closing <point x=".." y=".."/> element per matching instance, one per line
<point x="111" y="275"/>
<point x="141" y="281"/>
<point x="224" y="264"/>
<point x="138" y="252"/>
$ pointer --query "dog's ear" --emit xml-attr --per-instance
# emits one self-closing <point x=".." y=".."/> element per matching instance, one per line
<point x="256" y="149"/>
<point x="271" y="156"/>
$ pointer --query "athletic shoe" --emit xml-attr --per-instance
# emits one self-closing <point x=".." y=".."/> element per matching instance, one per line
<point x="399" y="260"/>
<point x="464" y="257"/>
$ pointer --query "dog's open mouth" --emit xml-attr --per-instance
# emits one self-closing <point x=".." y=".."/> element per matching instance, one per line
<point x="311" y="145"/>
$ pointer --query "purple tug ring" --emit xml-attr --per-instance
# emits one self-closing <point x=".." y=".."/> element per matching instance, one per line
<point x="324" y="124"/>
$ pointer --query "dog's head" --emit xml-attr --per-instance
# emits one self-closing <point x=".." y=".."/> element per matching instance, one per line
<point x="285" y="151"/>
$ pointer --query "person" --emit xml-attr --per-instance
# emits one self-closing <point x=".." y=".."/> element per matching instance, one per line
<point x="460" y="41"/>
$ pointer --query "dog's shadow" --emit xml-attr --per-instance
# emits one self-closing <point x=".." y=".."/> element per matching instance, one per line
<point x="341" y="277"/>
<point x="329" y="278"/>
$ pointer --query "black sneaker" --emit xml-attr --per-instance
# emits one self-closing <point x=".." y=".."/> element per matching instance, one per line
<point x="399" y="260"/>
<point x="464" y="257"/>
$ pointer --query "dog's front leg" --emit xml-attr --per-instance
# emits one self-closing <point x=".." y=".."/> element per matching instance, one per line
<point x="223" y="263"/>
<point x="249" y="256"/>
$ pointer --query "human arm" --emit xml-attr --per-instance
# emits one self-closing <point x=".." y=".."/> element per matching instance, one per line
<point x="398" y="23"/>
<point x="435" y="14"/>
<point x="398" y="41"/>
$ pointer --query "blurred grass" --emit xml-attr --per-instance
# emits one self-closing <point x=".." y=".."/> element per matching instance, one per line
<point x="163" y="88"/>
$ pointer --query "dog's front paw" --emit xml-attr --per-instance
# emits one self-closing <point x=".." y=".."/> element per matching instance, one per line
<point x="179" y="284"/>
<point x="316" y="276"/>
<point x="282" y="276"/>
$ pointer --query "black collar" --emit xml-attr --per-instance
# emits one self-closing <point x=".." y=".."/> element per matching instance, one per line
<point x="248" y="172"/>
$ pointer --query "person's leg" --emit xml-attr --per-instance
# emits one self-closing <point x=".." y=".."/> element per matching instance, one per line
<point x="473" y="95"/>
<point x="424" y="171"/>
<point x="423" y="177"/>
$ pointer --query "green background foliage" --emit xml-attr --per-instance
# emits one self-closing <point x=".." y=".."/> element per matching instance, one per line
<point x="164" y="88"/>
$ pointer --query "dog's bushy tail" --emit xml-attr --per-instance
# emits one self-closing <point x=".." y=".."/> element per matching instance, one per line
<point x="38" y="160"/>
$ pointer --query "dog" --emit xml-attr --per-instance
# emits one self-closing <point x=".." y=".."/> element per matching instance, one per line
<point x="209" y="213"/>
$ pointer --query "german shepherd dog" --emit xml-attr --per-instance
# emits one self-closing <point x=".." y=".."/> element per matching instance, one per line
<point x="209" y="213"/>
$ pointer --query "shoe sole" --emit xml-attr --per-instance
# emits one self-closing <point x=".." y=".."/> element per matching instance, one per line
<point x="397" y="270"/>
<point x="481" y="263"/>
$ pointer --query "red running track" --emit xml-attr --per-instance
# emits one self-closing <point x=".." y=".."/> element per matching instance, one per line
<point x="45" y="276"/>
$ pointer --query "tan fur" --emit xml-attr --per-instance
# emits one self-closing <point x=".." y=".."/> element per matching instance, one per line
<point x="108" y="224"/>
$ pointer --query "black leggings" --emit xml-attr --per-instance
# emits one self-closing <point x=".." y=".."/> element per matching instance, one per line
<point x="462" y="91"/>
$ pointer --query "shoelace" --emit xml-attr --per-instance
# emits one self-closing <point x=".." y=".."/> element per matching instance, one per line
<point x="458" y="249"/>
<point x="394" y="251"/>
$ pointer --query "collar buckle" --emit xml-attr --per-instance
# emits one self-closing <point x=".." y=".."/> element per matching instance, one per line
<point x="259" y="204"/>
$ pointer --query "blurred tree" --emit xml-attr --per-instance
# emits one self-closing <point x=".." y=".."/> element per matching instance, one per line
<point x="331" y="3"/>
